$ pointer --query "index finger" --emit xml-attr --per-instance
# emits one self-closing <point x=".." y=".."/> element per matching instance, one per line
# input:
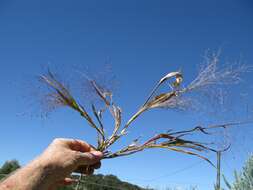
<point x="78" y="145"/>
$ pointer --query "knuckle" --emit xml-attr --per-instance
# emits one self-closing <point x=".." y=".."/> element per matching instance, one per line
<point x="84" y="158"/>
<point x="57" y="140"/>
<point x="77" y="156"/>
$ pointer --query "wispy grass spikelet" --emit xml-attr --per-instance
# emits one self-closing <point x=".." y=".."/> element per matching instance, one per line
<point x="175" y="97"/>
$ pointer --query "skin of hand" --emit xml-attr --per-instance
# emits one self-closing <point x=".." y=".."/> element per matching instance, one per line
<point x="54" y="166"/>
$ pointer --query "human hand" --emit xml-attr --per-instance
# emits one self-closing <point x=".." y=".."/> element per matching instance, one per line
<point x="64" y="156"/>
<point x="53" y="167"/>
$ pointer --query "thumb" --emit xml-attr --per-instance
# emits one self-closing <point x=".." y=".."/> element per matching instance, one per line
<point x="89" y="158"/>
<point x="64" y="182"/>
<point x="67" y="181"/>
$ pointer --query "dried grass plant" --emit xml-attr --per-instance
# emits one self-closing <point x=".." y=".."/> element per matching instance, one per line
<point x="209" y="78"/>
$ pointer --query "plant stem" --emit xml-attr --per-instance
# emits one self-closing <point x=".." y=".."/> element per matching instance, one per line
<point x="79" y="182"/>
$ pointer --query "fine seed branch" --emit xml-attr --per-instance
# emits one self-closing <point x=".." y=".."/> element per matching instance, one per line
<point x="209" y="77"/>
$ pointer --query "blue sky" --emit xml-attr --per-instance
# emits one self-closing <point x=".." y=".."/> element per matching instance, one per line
<point x="143" y="40"/>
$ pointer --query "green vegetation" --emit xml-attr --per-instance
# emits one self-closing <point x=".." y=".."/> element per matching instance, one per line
<point x="107" y="182"/>
<point x="8" y="167"/>
<point x="244" y="179"/>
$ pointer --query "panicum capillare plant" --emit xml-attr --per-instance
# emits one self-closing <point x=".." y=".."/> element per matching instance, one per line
<point x="209" y="78"/>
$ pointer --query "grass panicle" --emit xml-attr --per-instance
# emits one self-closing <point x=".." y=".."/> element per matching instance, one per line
<point x="174" y="98"/>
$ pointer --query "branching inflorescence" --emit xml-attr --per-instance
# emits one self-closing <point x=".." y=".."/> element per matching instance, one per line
<point x="175" y="98"/>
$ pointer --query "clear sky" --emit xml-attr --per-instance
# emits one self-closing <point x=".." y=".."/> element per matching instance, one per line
<point x="142" y="40"/>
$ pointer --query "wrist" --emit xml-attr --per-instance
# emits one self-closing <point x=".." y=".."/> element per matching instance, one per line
<point x="35" y="176"/>
<point x="45" y="169"/>
<point x="39" y="174"/>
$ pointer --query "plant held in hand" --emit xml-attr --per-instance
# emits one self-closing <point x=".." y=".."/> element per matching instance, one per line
<point x="176" y="97"/>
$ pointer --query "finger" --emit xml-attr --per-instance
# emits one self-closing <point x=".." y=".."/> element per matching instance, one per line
<point x="89" y="171"/>
<point x="92" y="148"/>
<point x="78" y="145"/>
<point x="96" y="165"/>
<point x="63" y="182"/>
<point x="89" y="158"/>
<point x="83" y="169"/>
<point x="67" y="181"/>
<point x="53" y="187"/>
